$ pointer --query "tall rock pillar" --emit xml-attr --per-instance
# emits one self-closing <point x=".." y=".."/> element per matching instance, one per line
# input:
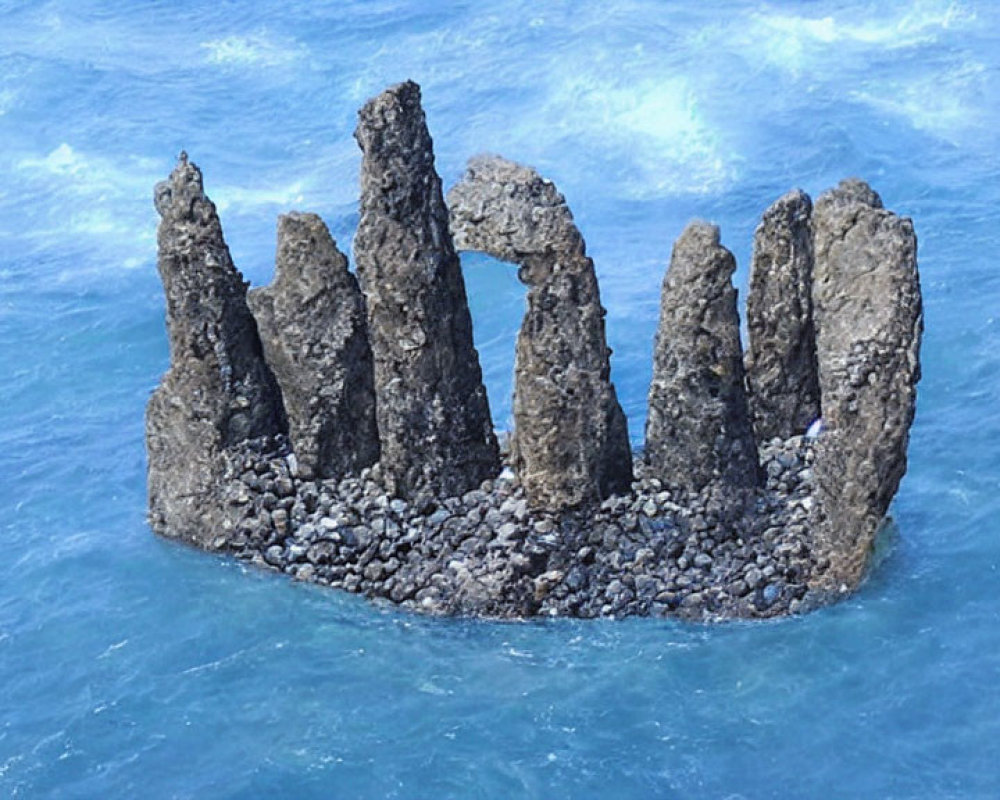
<point x="315" y="336"/>
<point x="781" y="353"/>
<point x="433" y="415"/>
<point x="218" y="391"/>
<point x="570" y="444"/>
<point x="869" y="321"/>
<point x="698" y="432"/>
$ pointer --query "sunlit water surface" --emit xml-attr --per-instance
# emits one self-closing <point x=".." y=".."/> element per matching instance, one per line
<point x="132" y="667"/>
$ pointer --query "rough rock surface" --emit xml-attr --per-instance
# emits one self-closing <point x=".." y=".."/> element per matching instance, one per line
<point x="313" y="327"/>
<point x="869" y="322"/>
<point x="433" y="415"/>
<point x="781" y="353"/>
<point x="489" y="553"/>
<point x="698" y="432"/>
<point x="218" y="391"/>
<point x="570" y="443"/>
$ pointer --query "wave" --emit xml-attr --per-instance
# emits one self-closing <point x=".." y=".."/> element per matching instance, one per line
<point x="946" y="104"/>
<point x="257" y="49"/>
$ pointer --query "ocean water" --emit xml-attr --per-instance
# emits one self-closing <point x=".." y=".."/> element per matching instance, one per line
<point x="134" y="667"/>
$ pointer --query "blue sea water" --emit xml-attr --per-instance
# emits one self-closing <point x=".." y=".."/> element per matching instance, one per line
<point x="133" y="667"/>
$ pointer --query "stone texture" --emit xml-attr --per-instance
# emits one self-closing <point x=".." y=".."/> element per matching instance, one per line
<point x="698" y="431"/>
<point x="781" y="354"/>
<point x="570" y="444"/>
<point x="433" y="415"/>
<point x="313" y="327"/>
<point x="869" y="322"/>
<point x="218" y="391"/>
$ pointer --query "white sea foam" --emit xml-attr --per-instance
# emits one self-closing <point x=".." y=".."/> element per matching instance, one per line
<point x="794" y="42"/>
<point x="246" y="198"/>
<point x="922" y="22"/>
<point x="7" y="99"/>
<point x="258" y="49"/>
<point x="946" y="104"/>
<point x="656" y="124"/>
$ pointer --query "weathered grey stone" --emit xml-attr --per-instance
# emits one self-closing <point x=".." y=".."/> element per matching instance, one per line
<point x="433" y="415"/>
<point x="698" y="432"/>
<point x="869" y="321"/>
<point x="218" y="391"/>
<point x="315" y="335"/>
<point x="781" y="354"/>
<point x="570" y="443"/>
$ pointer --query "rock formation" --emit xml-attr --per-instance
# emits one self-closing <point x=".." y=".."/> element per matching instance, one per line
<point x="781" y="353"/>
<point x="869" y="322"/>
<point x="315" y="335"/>
<point x="704" y="533"/>
<point x="218" y="391"/>
<point x="570" y="443"/>
<point x="698" y="432"/>
<point x="433" y="415"/>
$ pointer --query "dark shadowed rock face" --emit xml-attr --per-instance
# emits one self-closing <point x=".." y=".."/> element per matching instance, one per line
<point x="698" y="431"/>
<point x="570" y="444"/>
<point x="315" y="336"/>
<point x="869" y="321"/>
<point x="781" y="356"/>
<point x="433" y="415"/>
<point x="218" y="391"/>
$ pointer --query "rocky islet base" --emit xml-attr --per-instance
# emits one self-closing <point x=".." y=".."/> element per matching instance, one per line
<point x="488" y="553"/>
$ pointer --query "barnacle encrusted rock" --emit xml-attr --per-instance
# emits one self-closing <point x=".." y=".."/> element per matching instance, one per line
<point x="698" y="431"/>
<point x="570" y="443"/>
<point x="869" y="322"/>
<point x="781" y="351"/>
<point x="315" y="335"/>
<point x="433" y="415"/>
<point x="218" y="391"/>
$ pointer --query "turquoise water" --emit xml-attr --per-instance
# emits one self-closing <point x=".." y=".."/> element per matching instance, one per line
<point x="133" y="667"/>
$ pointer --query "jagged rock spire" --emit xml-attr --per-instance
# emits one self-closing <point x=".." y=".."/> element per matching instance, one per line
<point x="781" y="354"/>
<point x="698" y="432"/>
<point x="433" y="415"/>
<point x="315" y="336"/>
<point x="218" y="391"/>
<point x="869" y="322"/>
<point x="570" y="443"/>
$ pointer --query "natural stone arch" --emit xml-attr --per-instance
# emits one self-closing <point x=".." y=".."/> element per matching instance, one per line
<point x="570" y="443"/>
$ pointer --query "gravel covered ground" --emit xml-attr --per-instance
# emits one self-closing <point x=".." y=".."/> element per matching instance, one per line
<point x="488" y="554"/>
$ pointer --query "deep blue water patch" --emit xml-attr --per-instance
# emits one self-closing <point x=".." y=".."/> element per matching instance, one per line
<point x="130" y="666"/>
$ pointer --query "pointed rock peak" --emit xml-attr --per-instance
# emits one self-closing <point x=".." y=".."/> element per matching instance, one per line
<point x="851" y="191"/>
<point x="308" y="256"/>
<point x="433" y="414"/>
<point x="177" y="197"/>
<point x="791" y="209"/>
<point x="218" y="392"/>
<point x="699" y="256"/>
<point x="312" y="325"/>
<point x="393" y="122"/>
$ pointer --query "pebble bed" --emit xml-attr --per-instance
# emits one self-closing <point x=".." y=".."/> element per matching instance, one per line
<point x="489" y="554"/>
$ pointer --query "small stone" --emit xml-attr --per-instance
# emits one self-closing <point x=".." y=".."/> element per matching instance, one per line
<point x="770" y="593"/>
<point x="703" y="561"/>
